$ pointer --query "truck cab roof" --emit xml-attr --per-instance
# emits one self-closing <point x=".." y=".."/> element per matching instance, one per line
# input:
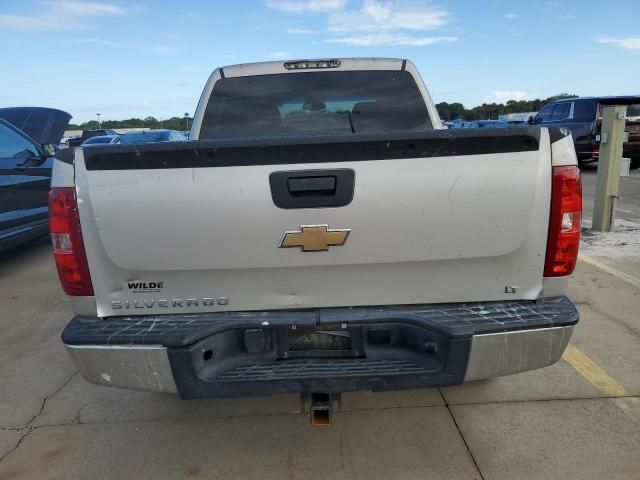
<point x="607" y="100"/>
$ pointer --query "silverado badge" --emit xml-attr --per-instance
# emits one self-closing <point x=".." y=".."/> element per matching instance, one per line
<point x="314" y="238"/>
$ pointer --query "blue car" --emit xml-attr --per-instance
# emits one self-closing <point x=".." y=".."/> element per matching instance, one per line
<point x="101" y="140"/>
<point x="151" y="136"/>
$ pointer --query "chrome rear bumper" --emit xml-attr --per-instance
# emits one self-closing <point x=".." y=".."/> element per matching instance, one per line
<point x="135" y="367"/>
<point x="500" y="354"/>
<point x="147" y="367"/>
<point x="254" y="353"/>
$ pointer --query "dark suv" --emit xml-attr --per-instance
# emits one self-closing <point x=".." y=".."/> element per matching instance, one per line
<point x="582" y="116"/>
<point x="25" y="175"/>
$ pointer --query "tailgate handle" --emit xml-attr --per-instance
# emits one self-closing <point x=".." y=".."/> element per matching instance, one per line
<point x="312" y="188"/>
<point x="301" y="186"/>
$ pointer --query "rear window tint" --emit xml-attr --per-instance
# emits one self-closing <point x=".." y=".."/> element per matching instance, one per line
<point x="561" y="111"/>
<point x="314" y="103"/>
<point x="142" y="137"/>
<point x="584" y="110"/>
<point x="98" y="140"/>
<point x="544" y="115"/>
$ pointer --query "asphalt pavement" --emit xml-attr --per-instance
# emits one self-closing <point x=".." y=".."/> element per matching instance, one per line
<point x="578" y="419"/>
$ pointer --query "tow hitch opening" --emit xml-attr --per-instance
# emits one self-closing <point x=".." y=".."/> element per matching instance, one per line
<point x="320" y="407"/>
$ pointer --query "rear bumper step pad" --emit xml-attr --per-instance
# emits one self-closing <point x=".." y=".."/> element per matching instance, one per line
<point x="454" y="320"/>
<point x="387" y="348"/>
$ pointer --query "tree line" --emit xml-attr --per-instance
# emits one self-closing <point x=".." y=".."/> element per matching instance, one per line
<point x="491" y="111"/>
<point x="173" y="123"/>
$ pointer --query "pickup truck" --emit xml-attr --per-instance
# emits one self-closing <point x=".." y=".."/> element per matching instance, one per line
<point x="583" y="118"/>
<point x="319" y="233"/>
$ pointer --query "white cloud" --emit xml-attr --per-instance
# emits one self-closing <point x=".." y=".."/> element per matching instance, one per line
<point x="627" y="42"/>
<point x="511" y="16"/>
<point x="371" y="23"/>
<point x="98" y="41"/>
<point x="300" y="31"/>
<point x="60" y="15"/>
<point x="82" y="9"/>
<point x="306" y="6"/>
<point x="375" y="15"/>
<point x="388" y="22"/>
<point x="503" y="96"/>
<point x="383" y="39"/>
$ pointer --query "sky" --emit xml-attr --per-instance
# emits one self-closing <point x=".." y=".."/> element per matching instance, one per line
<point x="152" y="58"/>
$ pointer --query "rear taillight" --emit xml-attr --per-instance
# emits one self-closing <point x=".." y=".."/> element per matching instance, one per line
<point x="564" y="222"/>
<point x="68" y="248"/>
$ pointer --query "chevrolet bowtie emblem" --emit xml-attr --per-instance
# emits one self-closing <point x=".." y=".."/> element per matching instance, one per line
<point x="314" y="238"/>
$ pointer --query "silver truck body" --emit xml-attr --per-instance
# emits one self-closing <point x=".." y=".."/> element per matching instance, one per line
<point x="186" y="242"/>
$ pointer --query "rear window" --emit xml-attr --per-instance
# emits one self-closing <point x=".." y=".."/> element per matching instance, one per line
<point x="314" y="103"/>
<point x="561" y="111"/>
<point x="142" y="137"/>
<point x="97" y="140"/>
<point x="584" y="110"/>
<point x="93" y="133"/>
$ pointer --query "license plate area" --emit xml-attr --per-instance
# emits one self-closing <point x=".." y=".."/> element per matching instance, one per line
<point x="319" y="343"/>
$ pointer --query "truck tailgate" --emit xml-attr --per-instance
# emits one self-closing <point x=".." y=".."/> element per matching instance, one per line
<point x="439" y="217"/>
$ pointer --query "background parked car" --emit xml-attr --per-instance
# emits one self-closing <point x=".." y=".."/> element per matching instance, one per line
<point x="582" y="116"/>
<point x="101" y="140"/>
<point x="479" y="124"/>
<point x="86" y="134"/>
<point x="25" y="177"/>
<point x="151" y="136"/>
<point x="45" y="125"/>
<point x="492" y="123"/>
<point x="632" y="147"/>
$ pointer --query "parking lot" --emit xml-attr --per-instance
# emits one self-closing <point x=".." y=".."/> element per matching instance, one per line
<point x="577" y="419"/>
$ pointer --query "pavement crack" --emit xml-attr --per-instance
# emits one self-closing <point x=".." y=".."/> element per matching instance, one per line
<point x="77" y="419"/>
<point x="22" y="437"/>
<point x="46" y="399"/>
<point x="28" y="427"/>
<point x="464" y="440"/>
<point x="12" y="429"/>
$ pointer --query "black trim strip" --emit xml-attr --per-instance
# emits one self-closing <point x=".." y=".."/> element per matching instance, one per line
<point x="453" y="320"/>
<point x="404" y="65"/>
<point x="329" y="149"/>
<point x="222" y="73"/>
<point x="65" y="155"/>
<point x="557" y="133"/>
